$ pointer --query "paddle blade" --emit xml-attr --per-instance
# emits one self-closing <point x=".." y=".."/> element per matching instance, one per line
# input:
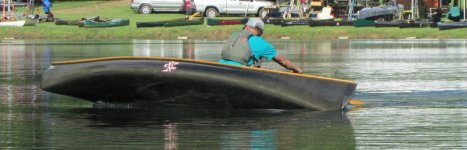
<point x="356" y="102"/>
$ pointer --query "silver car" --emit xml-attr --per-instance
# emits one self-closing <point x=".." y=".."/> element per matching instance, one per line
<point x="214" y="8"/>
<point x="148" y="6"/>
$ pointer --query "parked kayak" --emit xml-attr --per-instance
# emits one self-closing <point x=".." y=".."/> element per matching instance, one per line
<point x="434" y="24"/>
<point x="273" y="20"/>
<point x="414" y="24"/>
<point x="59" y="21"/>
<point x="317" y="23"/>
<point x="18" y="23"/>
<point x="286" y="23"/>
<point x="171" y="23"/>
<point x="387" y="23"/>
<point x="106" y="23"/>
<point x="174" y="81"/>
<point x="213" y="22"/>
<point x="363" y="23"/>
<point x="452" y="25"/>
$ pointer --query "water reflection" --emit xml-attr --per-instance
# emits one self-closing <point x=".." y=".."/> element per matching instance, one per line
<point x="411" y="127"/>
<point x="196" y="49"/>
<point x="415" y="93"/>
<point x="218" y="129"/>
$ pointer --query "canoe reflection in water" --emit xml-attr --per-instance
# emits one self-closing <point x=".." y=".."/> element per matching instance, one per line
<point x="222" y="129"/>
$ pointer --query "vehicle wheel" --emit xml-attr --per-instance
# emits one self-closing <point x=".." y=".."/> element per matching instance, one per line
<point x="262" y="13"/>
<point x="145" y="9"/>
<point x="211" y="13"/>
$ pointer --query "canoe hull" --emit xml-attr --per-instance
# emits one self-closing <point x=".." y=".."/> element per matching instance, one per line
<point x="213" y="22"/>
<point x="110" y="23"/>
<point x="363" y="23"/>
<point x="414" y="24"/>
<point x="273" y="20"/>
<point x="452" y="25"/>
<point x="171" y="23"/>
<point x="286" y="23"/>
<point x="317" y="23"/>
<point x="12" y="23"/>
<point x="191" y="82"/>
<point x="387" y="23"/>
<point x="68" y="22"/>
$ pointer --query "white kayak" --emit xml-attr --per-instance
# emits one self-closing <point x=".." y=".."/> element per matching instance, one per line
<point x="19" y="23"/>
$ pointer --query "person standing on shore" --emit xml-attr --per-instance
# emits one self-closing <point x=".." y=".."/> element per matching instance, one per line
<point x="190" y="7"/>
<point x="47" y="5"/>
<point x="248" y="48"/>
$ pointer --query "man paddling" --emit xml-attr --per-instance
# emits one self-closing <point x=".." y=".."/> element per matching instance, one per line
<point x="247" y="48"/>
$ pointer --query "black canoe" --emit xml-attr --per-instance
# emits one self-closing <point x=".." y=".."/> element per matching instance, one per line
<point x="171" y="23"/>
<point x="452" y="25"/>
<point x="213" y="21"/>
<point x="273" y="20"/>
<point x="172" y="81"/>
<point x="414" y="24"/>
<point x="286" y="23"/>
<point x="317" y="23"/>
<point x="387" y="23"/>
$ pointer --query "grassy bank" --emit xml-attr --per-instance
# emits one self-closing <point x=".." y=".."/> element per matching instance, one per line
<point x="120" y="9"/>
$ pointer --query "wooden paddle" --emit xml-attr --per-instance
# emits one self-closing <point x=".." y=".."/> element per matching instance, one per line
<point x="356" y="102"/>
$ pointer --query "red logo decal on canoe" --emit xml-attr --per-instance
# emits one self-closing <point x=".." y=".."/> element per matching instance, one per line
<point x="170" y="66"/>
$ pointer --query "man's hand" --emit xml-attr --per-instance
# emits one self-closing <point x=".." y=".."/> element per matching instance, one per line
<point x="297" y="70"/>
<point x="284" y="62"/>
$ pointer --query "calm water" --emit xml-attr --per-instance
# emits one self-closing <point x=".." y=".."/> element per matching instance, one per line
<point x="415" y="93"/>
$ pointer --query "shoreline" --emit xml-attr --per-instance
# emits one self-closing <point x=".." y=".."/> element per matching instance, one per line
<point x="120" y="9"/>
<point x="202" y="32"/>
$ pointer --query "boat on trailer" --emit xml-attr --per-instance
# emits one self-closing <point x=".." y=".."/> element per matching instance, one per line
<point x="187" y="82"/>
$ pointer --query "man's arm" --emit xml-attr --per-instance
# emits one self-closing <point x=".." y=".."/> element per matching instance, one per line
<point x="284" y="62"/>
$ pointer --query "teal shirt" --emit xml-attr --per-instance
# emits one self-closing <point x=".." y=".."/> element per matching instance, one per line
<point x="259" y="48"/>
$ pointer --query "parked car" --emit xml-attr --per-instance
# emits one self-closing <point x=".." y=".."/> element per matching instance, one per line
<point x="149" y="6"/>
<point x="214" y="8"/>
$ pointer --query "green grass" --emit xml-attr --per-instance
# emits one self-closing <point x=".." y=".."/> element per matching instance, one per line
<point x="120" y="9"/>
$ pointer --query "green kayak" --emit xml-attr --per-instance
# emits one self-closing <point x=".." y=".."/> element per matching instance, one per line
<point x="66" y="22"/>
<point x="79" y="22"/>
<point x="363" y="23"/>
<point x="106" y="23"/>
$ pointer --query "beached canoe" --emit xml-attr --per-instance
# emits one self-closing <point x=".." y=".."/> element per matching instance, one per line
<point x="414" y="24"/>
<point x="273" y="20"/>
<point x="387" y="23"/>
<point x="171" y="23"/>
<point x="106" y="23"/>
<point x="18" y="23"/>
<point x="79" y="22"/>
<point x="187" y="82"/>
<point x="318" y="23"/>
<point x="213" y="22"/>
<point x="452" y="25"/>
<point x="59" y="21"/>
<point x="294" y="22"/>
<point x="363" y="23"/>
